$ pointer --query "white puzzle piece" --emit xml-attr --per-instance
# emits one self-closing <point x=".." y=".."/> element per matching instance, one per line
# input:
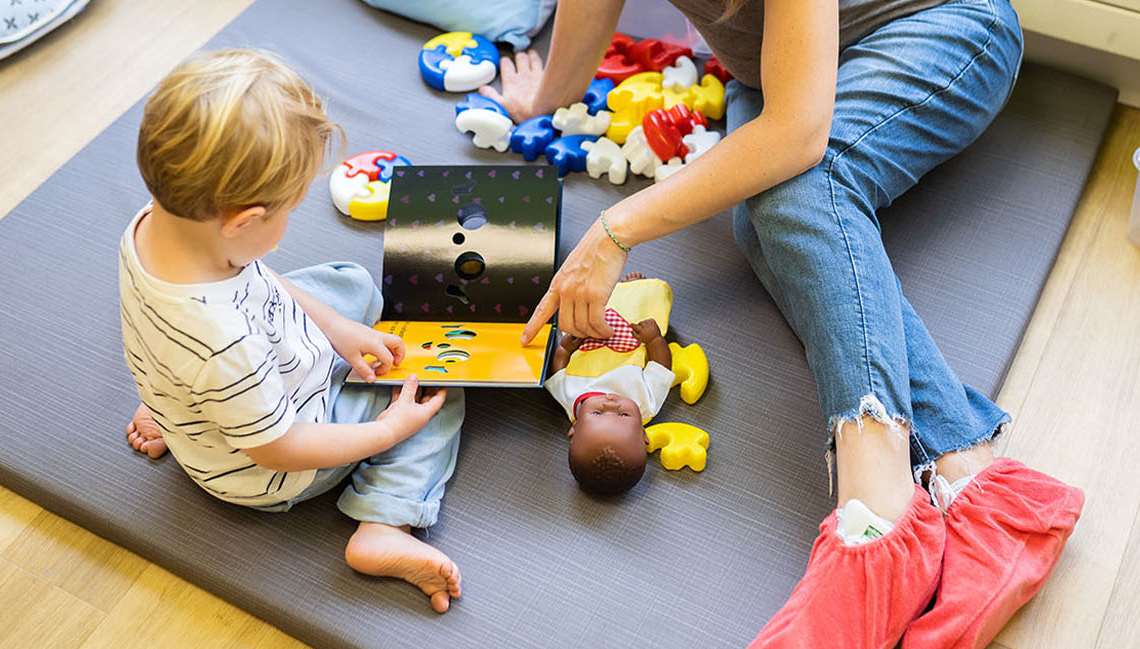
<point x="699" y="141"/>
<point x="577" y="120"/>
<point x="604" y="157"/>
<point x="641" y="158"/>
<point x="462" y="75"/>
<point x="668" y="169"/>
<point x="491" y="129"/>
<point x="680" y="76"/>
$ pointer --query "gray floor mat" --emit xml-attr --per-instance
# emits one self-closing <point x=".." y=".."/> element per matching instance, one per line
<point x="684" y="559"/>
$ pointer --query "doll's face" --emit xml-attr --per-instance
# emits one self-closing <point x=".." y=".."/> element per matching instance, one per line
<point x="607" y="444"/>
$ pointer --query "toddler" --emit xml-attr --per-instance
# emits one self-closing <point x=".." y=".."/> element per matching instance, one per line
<point x="239" y="369"/>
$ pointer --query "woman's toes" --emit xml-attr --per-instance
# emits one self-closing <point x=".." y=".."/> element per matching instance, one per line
<point x="440" y="602"/>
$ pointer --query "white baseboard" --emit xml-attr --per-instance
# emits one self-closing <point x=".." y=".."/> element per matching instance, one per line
<point x="1115" y="70"/>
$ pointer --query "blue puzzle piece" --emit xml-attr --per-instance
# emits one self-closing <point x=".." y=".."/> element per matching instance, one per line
<point x="484" y="50"/>
<point x="475" y="100"/>
<point x="430" y="68"/>
<point x="531" y="137"/>
<point x="387" y="165"/>
<point x="567" y="153"/>
<point x="596" y="95"/>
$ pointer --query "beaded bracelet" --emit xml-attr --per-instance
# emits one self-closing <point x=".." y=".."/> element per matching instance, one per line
<point x="612" y="237"/>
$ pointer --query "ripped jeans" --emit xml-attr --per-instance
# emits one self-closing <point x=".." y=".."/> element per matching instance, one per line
<point x="909" y="96"/>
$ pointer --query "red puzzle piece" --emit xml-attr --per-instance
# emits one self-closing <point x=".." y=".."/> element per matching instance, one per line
<point x="714" y="67"/>
<point x="654" y="55"/>
<point x="365" y="163"/>
<point x="664" y="129"/>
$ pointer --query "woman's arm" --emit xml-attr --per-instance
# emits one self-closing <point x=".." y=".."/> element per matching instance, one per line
<point x="582" y="32"/>
<point x="799" y="62"/>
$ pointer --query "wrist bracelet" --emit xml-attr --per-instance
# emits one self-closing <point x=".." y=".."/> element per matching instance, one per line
<point x="612" y="237"/>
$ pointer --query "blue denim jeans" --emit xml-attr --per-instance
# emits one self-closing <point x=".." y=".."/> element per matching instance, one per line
<point x="403" y="485"/>
<point x="909" y="96"/>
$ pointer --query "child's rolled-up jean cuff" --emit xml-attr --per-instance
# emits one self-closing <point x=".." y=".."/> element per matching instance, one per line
<point x="387" y="509"/>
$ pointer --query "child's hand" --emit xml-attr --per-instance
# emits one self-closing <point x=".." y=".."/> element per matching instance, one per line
<point x="570" y="342"/>
<point x="355" y="342"/>
<point x="411" y="409"/>
<point x="646" y="331"/>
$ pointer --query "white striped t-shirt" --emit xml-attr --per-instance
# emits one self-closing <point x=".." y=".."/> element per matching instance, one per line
<point x="224" y="366"/>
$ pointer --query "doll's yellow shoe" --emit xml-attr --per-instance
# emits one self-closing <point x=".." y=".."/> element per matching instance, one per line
<point x="691" y="367"/>
<point x="681" y="445"/>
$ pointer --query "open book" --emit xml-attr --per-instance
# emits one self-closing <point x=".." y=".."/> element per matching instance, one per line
<point x="468" y="252"/>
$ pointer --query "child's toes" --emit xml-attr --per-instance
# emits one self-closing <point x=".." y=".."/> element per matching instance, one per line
<point x="440" y="602"/>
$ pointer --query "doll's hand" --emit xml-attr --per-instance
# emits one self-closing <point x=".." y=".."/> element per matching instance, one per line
<point x="411" y="408"/>
<point x="646" y="331"/>
<point x="520" y="80"/>
<point x="570" y="342"/>
<point x="354" y="341"/>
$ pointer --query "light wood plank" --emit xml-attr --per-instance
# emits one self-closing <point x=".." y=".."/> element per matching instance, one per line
<point x="16" y="513"/>
<point x="1078" y="421"/>
<point x="68" y="556"/>
<point x="33" y="613"/>
<point x="62" y="91"/>
<point x="161" y="610"/>
<point x="1121" y="626"/>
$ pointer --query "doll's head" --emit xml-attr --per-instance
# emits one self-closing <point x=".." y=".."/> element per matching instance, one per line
<point x="607" y="444"/>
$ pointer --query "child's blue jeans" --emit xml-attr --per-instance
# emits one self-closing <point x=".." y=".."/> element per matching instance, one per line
<point x="403" y="485"/>
<point x="909" y="96"/>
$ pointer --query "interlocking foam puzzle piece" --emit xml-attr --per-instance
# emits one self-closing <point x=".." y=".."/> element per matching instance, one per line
<point x="707" y="98"/>
<point x="595" y="97"/>
<point x="458" y="61"/>
<point x="641" y="158"/>
<point x="630" y="100"/>
<point x="359" y="185"/>
<point x="699" y="141"/>
<point x="680" y="76"/>
<point x="567" y="153"/>
<point x="681" y="445"/>
<point x="691" y="367"/>
<point x="577" y="120"/>
<point x="490" y="129"/>
<point x="604" y="156"/>
<point x="668" y="169"/>
<point x="532" y="136"/>
<point x="616" y="65"/>
<point x="475" y="100"/>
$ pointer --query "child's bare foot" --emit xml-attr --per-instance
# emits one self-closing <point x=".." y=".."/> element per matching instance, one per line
<point x="629" y="277"/>
<point x="387" y="551"/>
<point x="144" y="435"/>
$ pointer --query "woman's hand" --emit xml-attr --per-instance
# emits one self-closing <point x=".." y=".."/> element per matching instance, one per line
<point x="520" y="81"/>
<point x="356" y="342"/>
<point x="581" y="288"/>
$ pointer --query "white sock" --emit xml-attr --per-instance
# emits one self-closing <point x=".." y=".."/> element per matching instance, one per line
<point x="857" y="524"/>
<point x="943" y="493"/>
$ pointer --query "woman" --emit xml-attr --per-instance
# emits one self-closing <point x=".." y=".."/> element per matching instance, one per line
<point x="815" y="148"/>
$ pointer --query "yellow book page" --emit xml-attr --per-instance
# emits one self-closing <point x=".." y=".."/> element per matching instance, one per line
<point x="475" y="354"/>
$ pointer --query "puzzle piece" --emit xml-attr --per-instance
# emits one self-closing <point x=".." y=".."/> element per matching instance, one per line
<point x="680" y="76"/>
<point x="531" y="137"/>
<point x="359" y="186"/>
<point x="641" y="158"/>
<point x="616" y="65"/>
<point x="681" y="445"/>
<point x="714" y="67"/>
<point x="691" y="367"/>
<point x="699" y="141"/>
<point x="576" y="120"/>
<point x="604" y="156"/>
<point x="707" y="98"/>
<point x="630" y="100"/>
<point x="655" y="55"/>
<point x="490" y="128"/>
<point x="567" y="153"/>
<point x="595" y="97"/>
<point x="664" y="130"/>
<point x="458" y="61"/>
<point x="475" y="100"/>
<point x="668" y="169"/>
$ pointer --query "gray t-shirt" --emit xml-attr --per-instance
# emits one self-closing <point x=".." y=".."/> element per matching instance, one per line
<point x="736" y="41"/>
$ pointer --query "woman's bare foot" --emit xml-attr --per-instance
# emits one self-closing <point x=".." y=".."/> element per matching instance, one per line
<point x="144" y="435"/>
<point x="629" y="277"/>
<point x="387" y="551"/>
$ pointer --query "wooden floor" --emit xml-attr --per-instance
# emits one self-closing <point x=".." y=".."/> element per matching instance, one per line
<point x="1074" y="390"/>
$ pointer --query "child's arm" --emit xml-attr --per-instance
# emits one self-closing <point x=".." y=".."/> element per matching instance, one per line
<point x="567" y="346"/>
<point x="351" y="340"/>
<point x="319" y="446"/>
<point x="656" y="349"/>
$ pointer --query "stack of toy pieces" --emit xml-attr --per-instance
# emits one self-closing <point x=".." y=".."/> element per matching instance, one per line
<point x="644" y="112"/>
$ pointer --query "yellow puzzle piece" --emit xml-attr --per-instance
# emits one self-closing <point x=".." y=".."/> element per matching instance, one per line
<point x="707" y="98"/>
<point x="680" y="444"/>
<point x="691" y="367"/>
<point x="453" y="41"/>
<point x="374" y="206"/>
<point x="630" y="101"/>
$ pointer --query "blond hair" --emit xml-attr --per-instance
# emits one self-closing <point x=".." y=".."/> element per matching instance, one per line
<point x="232" y="129"/>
